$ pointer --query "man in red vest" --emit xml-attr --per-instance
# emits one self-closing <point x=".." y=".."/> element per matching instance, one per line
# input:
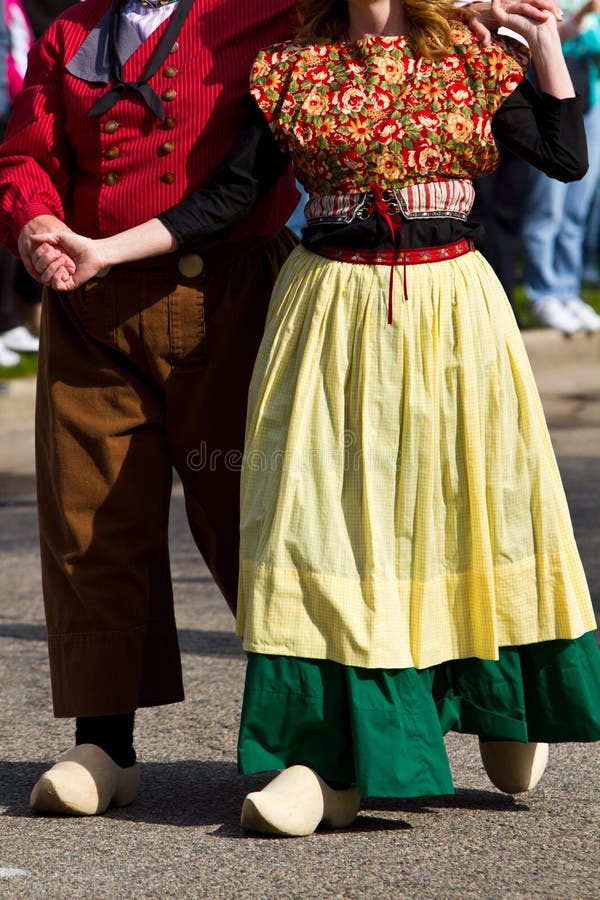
<point x="126" y="108"/>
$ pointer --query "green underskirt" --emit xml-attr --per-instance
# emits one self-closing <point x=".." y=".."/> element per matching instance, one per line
<point x="383" y="729"/>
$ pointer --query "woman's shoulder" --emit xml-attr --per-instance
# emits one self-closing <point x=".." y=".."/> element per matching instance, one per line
<point x="280" y="54"/>
<point x="277" y="63"/>
<point x="272" y="68"/>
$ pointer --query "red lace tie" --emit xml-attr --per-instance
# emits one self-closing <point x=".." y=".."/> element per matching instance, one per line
<point x="382" y="208"/>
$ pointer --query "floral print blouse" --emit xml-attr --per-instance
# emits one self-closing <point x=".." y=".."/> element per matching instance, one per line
<point x="376" y="109"/>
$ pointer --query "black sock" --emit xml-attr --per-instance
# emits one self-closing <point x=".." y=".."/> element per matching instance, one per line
<point x="114" y="734"/>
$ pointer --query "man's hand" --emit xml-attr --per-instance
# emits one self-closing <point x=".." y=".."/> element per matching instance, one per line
<point x="28" y="246"/>
<point x="53" y="248"/>
<point x="482" y="20"/>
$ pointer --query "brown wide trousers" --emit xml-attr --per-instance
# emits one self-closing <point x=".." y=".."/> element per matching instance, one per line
<point x="141" y="370"/>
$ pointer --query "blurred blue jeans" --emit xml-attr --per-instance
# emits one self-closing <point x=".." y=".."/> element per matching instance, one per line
<point x="297" y="221"/>
<point x="554" y="225"/>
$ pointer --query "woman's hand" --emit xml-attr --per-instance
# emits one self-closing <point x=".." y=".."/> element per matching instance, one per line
<point x="65" y="260"/>
<point x="523" y="18"/>
<point x="482" y="19"/>
<point x="542" y="36"/>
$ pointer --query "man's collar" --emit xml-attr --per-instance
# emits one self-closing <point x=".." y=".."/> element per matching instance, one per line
<point x="90" y="63"/>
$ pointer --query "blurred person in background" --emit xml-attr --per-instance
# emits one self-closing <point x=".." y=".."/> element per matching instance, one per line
<point x="297" y="220"/>
<point x="556" y="215"/>
<point x="498" y="206"/>
<point x="591" y="250"/>
<point x="20" y="295"/>
<point x="16" y="38"/>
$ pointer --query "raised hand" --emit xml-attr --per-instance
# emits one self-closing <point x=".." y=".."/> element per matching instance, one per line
<point x="526" y="18"/>
<point x="482" y="17"/>
<point x="537" y="10"/>
<point x="65" y="260"/>
<point x="542" y="35"/>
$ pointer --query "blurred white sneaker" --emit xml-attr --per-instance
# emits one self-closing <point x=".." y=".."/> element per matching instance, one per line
<point x="586" y="314"/>
<point x="20" y="340"/>
<point x="554" y="314"/>
<point x="8" y="358"/>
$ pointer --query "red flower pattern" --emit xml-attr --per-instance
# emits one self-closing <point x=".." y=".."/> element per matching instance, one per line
<point x="376" y="110"/>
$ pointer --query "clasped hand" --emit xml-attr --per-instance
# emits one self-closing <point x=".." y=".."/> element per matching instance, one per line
<point x="65" y="260"/>
<point x="523" y="16"/>
<point x="526" y="18"/>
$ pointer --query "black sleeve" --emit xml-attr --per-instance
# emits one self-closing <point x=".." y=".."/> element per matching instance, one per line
<point x="251" y="168"/>
<point x="544" y="131"/>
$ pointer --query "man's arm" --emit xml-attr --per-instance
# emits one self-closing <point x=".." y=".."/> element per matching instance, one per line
<point x="35" y="155"/>
<point x="252" y="166"/>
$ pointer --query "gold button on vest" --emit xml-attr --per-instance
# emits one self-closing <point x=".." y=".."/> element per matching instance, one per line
<point x="190" y="265"/>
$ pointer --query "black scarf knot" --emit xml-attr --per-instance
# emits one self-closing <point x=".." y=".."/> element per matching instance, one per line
<point x="141" y="86"/>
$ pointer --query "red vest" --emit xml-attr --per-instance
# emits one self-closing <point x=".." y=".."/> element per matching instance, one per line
<point x="110" y="172"/>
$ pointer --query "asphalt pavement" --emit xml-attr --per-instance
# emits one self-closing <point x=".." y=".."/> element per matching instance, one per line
<point x="182" y="839"/>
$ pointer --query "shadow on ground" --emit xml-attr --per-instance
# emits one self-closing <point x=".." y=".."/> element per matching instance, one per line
<point x="192" y="793"/>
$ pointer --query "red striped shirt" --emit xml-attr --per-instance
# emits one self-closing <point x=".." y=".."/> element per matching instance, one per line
<point x="99" y="179"/>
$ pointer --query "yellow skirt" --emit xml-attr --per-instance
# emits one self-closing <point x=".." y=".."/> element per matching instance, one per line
<point x="401" y="504"/>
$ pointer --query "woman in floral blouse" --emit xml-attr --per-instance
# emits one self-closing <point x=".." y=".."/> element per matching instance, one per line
<point x="408" y="565"/>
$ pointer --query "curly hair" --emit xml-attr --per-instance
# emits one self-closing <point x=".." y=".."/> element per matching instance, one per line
<point x="324" y="20"/>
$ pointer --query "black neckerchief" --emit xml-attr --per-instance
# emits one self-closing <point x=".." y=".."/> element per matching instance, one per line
<point x="148" y="94"/>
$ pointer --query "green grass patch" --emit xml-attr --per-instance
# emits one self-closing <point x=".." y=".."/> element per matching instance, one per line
<point x="27" y="366"/>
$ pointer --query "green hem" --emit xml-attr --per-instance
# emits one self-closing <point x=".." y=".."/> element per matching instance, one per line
<point x="383" y="729"/>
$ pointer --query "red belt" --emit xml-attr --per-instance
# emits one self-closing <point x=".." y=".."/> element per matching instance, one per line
<point x="412" y="257"/>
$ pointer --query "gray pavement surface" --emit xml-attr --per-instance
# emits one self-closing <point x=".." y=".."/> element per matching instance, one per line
<point x="182" y="837"/>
